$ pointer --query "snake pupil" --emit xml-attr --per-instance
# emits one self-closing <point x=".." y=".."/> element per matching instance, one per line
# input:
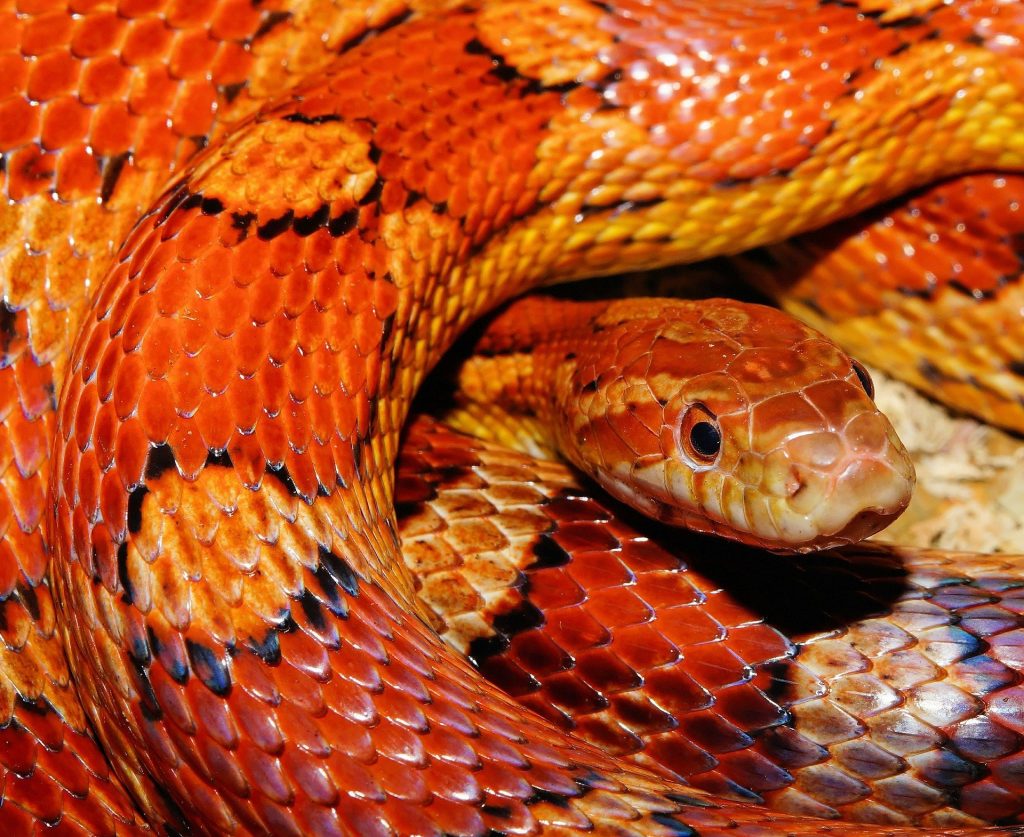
<point x="865" y="379"/>
<point x="705" y="438"/>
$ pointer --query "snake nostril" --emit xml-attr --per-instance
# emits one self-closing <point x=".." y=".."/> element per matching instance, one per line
<point x="795" y="484"/>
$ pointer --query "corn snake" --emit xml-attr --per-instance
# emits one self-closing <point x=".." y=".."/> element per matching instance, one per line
<point x="219" y="67"/>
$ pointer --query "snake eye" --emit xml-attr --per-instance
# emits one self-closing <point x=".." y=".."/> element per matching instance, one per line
<point x="864" y="378"/>
<point x="700" y="435"/>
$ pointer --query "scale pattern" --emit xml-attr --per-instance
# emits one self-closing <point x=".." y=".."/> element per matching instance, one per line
<point x="252" y="352"/>
<point x="891" y="694"/>
<point x="920" y="277"/>
<point x="804" y="460"/>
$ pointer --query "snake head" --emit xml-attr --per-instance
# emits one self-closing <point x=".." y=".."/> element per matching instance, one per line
<point x="735" y="419"/>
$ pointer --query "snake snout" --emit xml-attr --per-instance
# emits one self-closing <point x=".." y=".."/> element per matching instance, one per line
<point x="842" y="487"/>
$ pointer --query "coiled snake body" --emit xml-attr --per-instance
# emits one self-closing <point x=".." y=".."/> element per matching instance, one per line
<point x="219" y="504"/>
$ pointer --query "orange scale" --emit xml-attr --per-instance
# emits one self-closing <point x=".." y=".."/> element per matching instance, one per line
<point x="213" y="715"/>
<point x="708" y="730"/>
<point x="310" y="328"/>
<point x="324" y="374"/>
<point x="353" y="671"/>
<point x="19" y="749"/>
<point x="304" y="736"/>
<point x="211" y="809"/>
<point x="153" y="92"/>
<point x="92" y="816"/>
<point x="29" y="170"/>
<point x="62" y="766"/>
<point x="38" y="794"/>
<point x="324" y="465"/>
<point x="65" y="121"/>
<point x="187" y="390"/>
<point x="17" y="627"/>
<point x="234" y="21"/>
<point x="192" y="54"/>
<point x="349" y="737"/>
<point x="44" y="33"/>
<point x="194" y="110"/>
<point x="291" y="294"/>
<point x="399" y="707"/>
<point x="496" y="780"/>
<point x="112" y="130"/>
<point x="245" y="403"/>
<point x="131" y="453"/>
<point x="137" y="323"/>
<point x="273" y="393"/>
<point x="189" y="451"/>
<point x="357" y="780"/>
<point x="228" y="314"/>
<point x="103" y="79"/>
<point x="283" y="253"/>
<point x="344" y="460"/>
<point x="146" y="42"/>
<point x="714" y="666"/>
<point x="748" y="708"/>
<point x="214" y="422"/>
<point x="14" y="71"/>
<point x="195" y="241"/>
<point x="684" y="627"/>
<point x="161" y="349"/>
<point x="131" y="379"/>
<point x="395" y="742"/>
<point x="170" y="697"/>
<point x="114" y="318"/>
<point x="455" y="817"/>
<point x="9" y="573"/>
<point x="15" y="819"/>
<point x="85" y="407"/>
<point x="52" y="75"/>
<point x="258" y="723"/>
<point x="353" y="377"/>
<point x="450" y="747"/>
<point x="77" y="174"/>
<point x="114" y="506"/>
<point x="726" y="611"/>
<point x="363" y="639"/>
<point x="759" y="643"/>
<point x="155" y="146"/>
<point x="300" y="468"/>
<point x="281" y="341"/>
<point x="222" y="764"/>
<point x="217" y="365"/>
<point x="208" y="277"/>
<point x="88" y="487"/>
<point x="30" y="446"/>
<point x="96" y="34"/>
<point x="303" y="653"/>
<point x="300" y="380"/>
<point x="405" y="782"/>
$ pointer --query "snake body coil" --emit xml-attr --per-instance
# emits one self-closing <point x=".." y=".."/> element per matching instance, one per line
<point x="349" y="189"/>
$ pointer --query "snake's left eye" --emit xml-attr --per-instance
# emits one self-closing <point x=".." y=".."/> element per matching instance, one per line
<point x="699" y="435"/>
<point x="864" y="378"/>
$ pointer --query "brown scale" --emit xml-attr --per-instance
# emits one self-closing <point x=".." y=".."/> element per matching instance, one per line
<point x="870" y="683"/>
